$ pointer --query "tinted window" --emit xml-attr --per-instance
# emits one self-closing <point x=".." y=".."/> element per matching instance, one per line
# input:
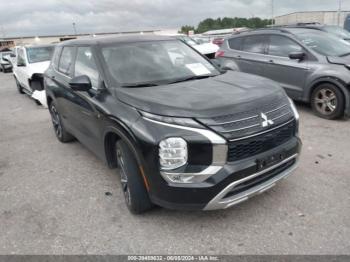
<point x="283" y="46"/>
<point x="235" y="43"/>
<point x="85" y="65"/>
<point x="254" y="44"/>
<point x="66" y="60"/>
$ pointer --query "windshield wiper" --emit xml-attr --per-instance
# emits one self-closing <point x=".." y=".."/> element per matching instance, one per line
<point x="191" y="78"/>
<point x="139" y="85"/>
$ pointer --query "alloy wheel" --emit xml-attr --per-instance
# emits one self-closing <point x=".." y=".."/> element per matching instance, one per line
<point x="123" y="176"/>
<point x="56" y="121"/>
<point x="326" y="101"/>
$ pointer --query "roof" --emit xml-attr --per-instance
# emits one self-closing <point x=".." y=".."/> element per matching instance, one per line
<point x="115" y="39"/>
<point x="291" y="30"/>
<point x="304" y="12"/>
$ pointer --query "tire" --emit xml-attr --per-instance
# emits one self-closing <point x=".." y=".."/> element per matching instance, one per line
<point x="328" y="102"/>
<point x="134" y="189"/>
<point x="19" y="87"/>
<point x="60" y="132"/>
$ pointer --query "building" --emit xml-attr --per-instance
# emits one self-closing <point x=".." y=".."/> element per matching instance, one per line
<point x="323" y="17"/>
<point x="6" y="44"/>
<point x="48" y="39"/>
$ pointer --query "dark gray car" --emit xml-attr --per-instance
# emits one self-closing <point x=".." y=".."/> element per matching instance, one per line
<point x="311" y="65"/>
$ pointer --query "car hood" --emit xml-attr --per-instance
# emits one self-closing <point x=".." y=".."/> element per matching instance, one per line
<point x="339" y="60"/>
<point x="207" y="48"/>
<point x="224" y="94"/>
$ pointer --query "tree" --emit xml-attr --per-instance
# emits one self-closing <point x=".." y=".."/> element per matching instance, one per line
<point x="227" y="22"/>
<point x="186" y="28"/>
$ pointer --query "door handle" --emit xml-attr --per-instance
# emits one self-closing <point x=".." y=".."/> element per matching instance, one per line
<point x="271" y="61"/>
<point x="239" y="57"/>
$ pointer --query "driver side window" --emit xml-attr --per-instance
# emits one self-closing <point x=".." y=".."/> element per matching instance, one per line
<point x="85" y="65"/>
<point x="283" y="46"/>
<point x="21" y="58"/>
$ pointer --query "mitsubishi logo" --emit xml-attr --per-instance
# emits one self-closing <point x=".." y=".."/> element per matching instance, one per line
<point x="266" y="122"/>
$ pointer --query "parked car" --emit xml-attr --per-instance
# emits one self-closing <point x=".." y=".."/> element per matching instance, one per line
<point x="207" y="49"/>
<point x="5" y="65"/>
<point x="184" y="134"/>
<point x="312" y="66"/>
<point x="332" y="29"/>
<point x="28" y="67"/>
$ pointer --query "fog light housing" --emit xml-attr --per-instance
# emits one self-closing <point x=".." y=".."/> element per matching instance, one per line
<point x="172" y="153"/>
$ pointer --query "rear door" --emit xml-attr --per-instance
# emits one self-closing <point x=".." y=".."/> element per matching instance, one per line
<point x="289" y="73"/>
<point x="249" y="53"/>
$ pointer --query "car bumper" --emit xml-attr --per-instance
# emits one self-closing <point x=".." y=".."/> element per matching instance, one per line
<point x="232" y="184"/>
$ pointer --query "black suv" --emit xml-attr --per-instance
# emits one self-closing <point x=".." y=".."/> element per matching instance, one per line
<point x="184" y="134"/>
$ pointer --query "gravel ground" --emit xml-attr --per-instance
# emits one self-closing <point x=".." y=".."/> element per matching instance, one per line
<point x="53" y="198"/>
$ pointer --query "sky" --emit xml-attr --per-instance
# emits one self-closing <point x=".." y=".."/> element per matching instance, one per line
<point x="51" y="17"/>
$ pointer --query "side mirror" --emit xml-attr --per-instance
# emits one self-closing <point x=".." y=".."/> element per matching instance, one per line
<point x="80" y="83"/>
<point x="297" y="55"/>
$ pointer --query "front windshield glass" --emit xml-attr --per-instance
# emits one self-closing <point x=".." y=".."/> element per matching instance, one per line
<point x="325" y="44"/>
<point x="39" y="54"/>
<point x="336" y="30"/>
<point x="155" y="62"/>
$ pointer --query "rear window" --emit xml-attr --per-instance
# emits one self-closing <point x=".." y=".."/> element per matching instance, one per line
<point x="254" y="44"/>
<point x="235" y="43"/>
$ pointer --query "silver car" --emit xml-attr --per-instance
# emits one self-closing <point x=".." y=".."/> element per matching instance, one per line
<point x="311" y="65"/>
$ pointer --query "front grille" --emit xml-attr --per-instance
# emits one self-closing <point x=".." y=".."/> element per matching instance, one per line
<point x="248" y="147"/>
<point x="250" y="122"/>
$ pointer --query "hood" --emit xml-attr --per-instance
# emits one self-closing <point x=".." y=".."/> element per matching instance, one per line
<point x="224" y="94"/>
<point x="39" y="67"/>
<point x="207" y="48"/>
<point x="339" y="60"/>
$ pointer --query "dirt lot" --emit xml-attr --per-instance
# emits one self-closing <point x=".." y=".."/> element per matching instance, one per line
<point x="53" y="198"/>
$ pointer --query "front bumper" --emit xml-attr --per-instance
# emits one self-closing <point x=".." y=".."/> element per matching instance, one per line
<point x="225" y="183"/>
<point x="222" y="202"/>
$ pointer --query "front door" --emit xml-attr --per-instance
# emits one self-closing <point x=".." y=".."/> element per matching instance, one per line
<point x="289" y="73"/>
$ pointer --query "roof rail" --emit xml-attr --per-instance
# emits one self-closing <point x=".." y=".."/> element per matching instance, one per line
<point x="275" y="28"/>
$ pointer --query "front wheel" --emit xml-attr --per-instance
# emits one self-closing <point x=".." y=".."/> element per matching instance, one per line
<point x="132" y="183"/>
<point x="328" y="101"/>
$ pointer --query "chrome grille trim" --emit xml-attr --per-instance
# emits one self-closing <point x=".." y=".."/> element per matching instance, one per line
<point x="260" y="133"/>
<point x="235" y="121"/>
<point x="239" y="129"/>
<point x="278" y="108"/>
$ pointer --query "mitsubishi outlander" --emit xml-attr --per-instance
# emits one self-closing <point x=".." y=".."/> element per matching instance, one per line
<point x="183" y="133"/>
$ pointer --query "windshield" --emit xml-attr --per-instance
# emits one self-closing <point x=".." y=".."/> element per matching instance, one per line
<point x="336" y="30"/>
<point x="39" y="54"/>
<point x="325" y="44"/>
<point x="155" y="62"/>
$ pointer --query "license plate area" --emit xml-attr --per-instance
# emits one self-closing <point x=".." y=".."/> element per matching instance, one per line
<point x="270" y="160"/>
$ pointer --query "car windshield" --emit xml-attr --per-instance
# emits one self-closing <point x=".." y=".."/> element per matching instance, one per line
<point x="155" y="63"/>
<point x="324" y="44"/>
<point x="39" y="54"/>
<point x="337" y="30"/>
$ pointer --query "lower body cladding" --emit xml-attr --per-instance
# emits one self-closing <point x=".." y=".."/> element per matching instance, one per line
<point x="224" y="184"/>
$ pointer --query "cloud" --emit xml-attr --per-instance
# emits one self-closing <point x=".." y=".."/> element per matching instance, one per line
<point x="32" y="17"/>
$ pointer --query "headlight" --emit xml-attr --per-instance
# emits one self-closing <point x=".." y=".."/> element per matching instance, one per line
<point x="294" y="109"/>
<point x="172" y="153"/>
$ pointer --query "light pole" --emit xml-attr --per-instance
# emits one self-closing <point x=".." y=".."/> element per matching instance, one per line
<point x="339" y="12"/>
<point x="75" y="30"/>
<point x="272" y="12"/>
